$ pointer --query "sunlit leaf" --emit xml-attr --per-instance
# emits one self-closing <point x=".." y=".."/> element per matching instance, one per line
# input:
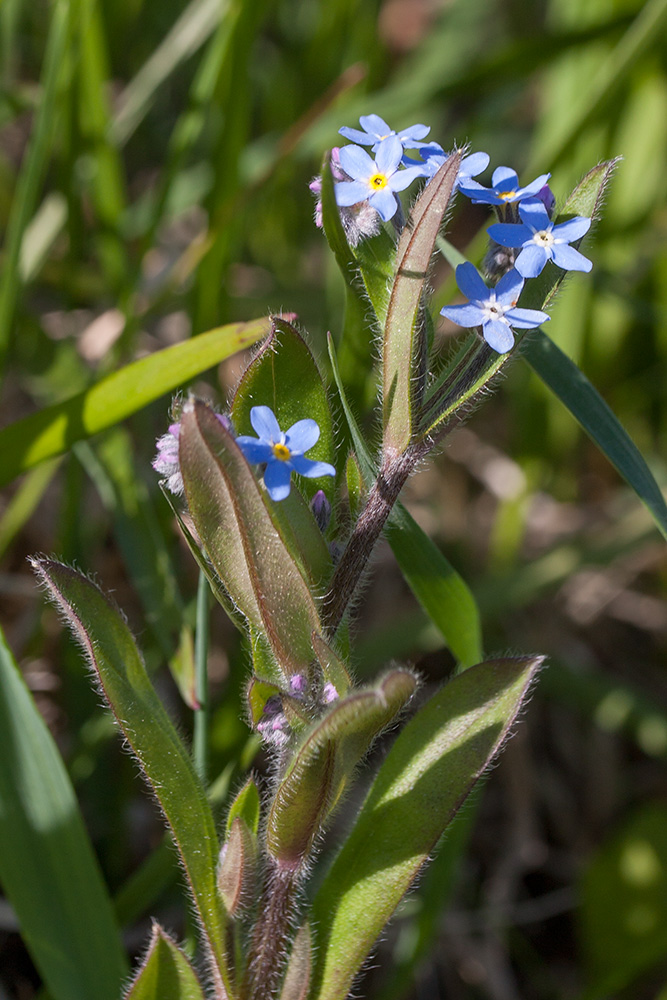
<point x="166" y="973"/>
<point x="47" y="866"/>
<point x="427" y="774"/>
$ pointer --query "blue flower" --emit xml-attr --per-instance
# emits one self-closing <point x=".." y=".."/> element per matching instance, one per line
<point x="542" y="241"/>
<point x="374" y="181"/>
<point x="494" y="309"/>
<point x="283" y="452"/>
<point x="376" y="131"/>
<point x="505" y="188"/>
<point x="433" y="157"/>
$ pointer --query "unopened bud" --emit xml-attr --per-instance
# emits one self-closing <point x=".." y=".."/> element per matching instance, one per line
<point x="237" y="867"/>
<point x="321" y="509"/>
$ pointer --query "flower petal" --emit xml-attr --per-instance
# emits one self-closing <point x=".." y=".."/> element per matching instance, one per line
<point x="356" y="162"/>
<point x="375" y="126"/>
<point x="531" y="260"/>
<point x="356" y="135"/>
<point x="388" y="156"/>
<point x="510" y="234"/>
<point x="277" y="477"/>
<point x="570" y="259"/>
<point x="310" y="468"/>
<point x="415" y="132"/>
<point x="572" y="230"/>
<point x="471" y="283"/>
<point x="498" y="335"/>
<point x="351" y="192"/>
<point x="505" y="179"/>
<point x="533" y="188"/>
<point x="473" y="164"/>
<point x="255" y="451"/>
<point x="526" y="319"/>
<point x="265" y="424"/>
<point x="402" y="178"/>
<point x="465" y="315"/>
<point x="535" y="215"/>
<point x="302" y="435"/>
<point x="509" y="287"/>
<point x="385" y="204"/>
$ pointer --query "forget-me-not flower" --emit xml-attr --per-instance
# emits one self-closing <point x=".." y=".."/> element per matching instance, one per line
<point x="542" y="241"/>
<point x="505" y="188"/>
<point x="282" y="451"/>
<point x="374" y="180"/>
<point x="376" y="131"/>
<point x="494" y="309"/>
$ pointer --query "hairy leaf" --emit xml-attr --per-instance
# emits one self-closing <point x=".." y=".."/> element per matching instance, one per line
<point x="166" y="973"/>
<point x="117" y="664"/>
<point x="427" y="774"/>
<point x="323" y="765"/>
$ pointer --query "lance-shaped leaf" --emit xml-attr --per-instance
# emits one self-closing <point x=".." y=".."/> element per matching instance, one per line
<point x="587" y="406"/>
<point x="404" y="347"/>
<point x="47" y="866"/>
<point x="284" y="376"/>
<point x="478" y="364"/>
<point x="246" y="805"/>
<point x="233" y="521"/>
<point x="119" y="669"/>
<point x="237" y="870"/>
<point x="52" y="431"/>
<point x="427" y="774"/>
<point x="323" y="765"/>
<point x="166" y="973"/>
<point x="297" y="977"/>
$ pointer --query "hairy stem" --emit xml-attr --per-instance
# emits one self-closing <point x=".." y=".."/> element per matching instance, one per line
<point x="382" y="497"/>
<point x="267" y="956"/>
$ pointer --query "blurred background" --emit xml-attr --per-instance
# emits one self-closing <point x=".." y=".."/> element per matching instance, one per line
<point x="154" y="163"/>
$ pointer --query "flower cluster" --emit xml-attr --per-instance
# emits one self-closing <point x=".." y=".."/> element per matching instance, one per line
<point x="280" y="452"/>
<point x="525" y="227"/>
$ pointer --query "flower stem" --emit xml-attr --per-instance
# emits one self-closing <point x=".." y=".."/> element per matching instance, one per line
<point x="267" y="956"/>
<point x="382" y="497"/>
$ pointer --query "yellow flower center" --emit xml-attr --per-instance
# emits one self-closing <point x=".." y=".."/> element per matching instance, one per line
<point x="506" y="195"/>
<point x="378" y="181"/>
<point x="281" y="452"/>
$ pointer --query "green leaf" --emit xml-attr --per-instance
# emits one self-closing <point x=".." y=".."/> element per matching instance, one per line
<point x="443" y="594"/>
<point x="52" y="431"/>
<point x="166" y="973"/>
<point x="297" y="977"/>
<point x="246" y="805"/>
<point x="588" y="407"/>
<point x="234" y="522"/>
<point x="117" y="663"/>
<point x="237" y="870"/>
<point x="404" y="346"/>
<point x="333" y="669"/>
<point x="284" y="376"/>
<point x="321" y="768"/>
<point x="441" y="591"/>
<point x="623" y="916"/>
<point x="47" y="866"/>
<point x="427" y="774"/>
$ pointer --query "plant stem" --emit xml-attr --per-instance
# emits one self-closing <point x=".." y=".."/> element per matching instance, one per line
<point x="382" y="497"/>
<point x="267" y="956"/>
<point x="200" y="735"/>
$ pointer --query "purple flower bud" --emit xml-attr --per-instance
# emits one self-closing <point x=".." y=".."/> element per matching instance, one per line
<point x="321" y="509"/>
<point x="548" y="199"/>
<point x="298" y="685"/>
<point x="329" y="694"/>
